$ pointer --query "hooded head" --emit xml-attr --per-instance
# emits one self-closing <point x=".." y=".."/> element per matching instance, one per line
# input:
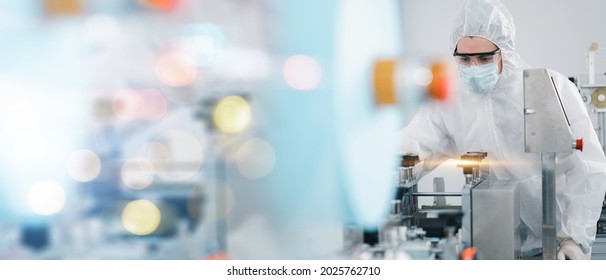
<point x="490" y="20"/>
<point x="485" y="18"/>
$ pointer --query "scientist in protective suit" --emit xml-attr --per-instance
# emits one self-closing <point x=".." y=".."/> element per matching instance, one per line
<point x="486" y="115"/>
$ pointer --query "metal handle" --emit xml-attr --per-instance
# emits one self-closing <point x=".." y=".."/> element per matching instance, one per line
<point x="436" y="194"/>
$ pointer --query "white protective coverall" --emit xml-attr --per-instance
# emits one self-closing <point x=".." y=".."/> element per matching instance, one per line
<point x="494" y="123"/>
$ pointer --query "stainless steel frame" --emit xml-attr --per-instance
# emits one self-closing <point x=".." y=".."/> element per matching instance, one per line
<point x="546" y="131"/>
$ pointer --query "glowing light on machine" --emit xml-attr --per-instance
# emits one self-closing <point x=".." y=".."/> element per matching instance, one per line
<point x="462" y="163"/>
<point x="255" y="158"/>
<point x="141" y="217"/>
<point x="46" y="198"/>
<point x="176" y="69"/>
<point x="137" y="173"/>
<point x="176" y="155"/>
<point x="84" y="165"/>
<point x="302" y="72"/>
<point x="232" y="114"/>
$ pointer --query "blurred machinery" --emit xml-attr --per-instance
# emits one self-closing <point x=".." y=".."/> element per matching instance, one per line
<point x="592" y="88"/>
<point x="126" y="171"/>
<point x="483" y="227"/>
<point x="204" y="123"/>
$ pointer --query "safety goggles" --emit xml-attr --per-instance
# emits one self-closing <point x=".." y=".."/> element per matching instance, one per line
<point x="478" y="59"/>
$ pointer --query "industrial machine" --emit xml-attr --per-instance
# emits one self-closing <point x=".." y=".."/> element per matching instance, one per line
<point x="240" y="119"/>
<point x="488" y="218"/>
<point x="592" y="88"/>
<point x="543" y="105"/>
<point x="483" y="227"/>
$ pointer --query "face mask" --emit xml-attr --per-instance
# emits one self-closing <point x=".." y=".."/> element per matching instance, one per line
<point x="480" y="79"/>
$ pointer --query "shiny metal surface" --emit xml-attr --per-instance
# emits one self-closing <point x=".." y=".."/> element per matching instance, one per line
<point x="549" y="207"/>
<point x="495" y="219"/>
<point x="545" y="122"/>
<point x="546" y="131"/>
<point x="438" y="187"/>
<point x="436" y="194"/>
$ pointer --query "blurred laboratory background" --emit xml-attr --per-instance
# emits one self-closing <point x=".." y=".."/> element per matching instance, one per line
<point x="232" y="129"/>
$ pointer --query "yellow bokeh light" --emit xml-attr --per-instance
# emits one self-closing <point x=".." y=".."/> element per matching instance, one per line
<point x="232" y="114"/>
<point x="141" y="217"/>
<point x="84" y="165"/>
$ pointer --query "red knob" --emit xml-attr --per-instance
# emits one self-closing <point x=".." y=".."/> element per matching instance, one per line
<point x="579" y="144"/>
<point x="469" y="253"/>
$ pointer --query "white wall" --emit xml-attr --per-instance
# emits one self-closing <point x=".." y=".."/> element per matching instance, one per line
<point x="549" y="34"/>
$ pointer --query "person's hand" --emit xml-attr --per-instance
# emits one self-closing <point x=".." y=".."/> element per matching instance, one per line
<point x="570" y="250"/>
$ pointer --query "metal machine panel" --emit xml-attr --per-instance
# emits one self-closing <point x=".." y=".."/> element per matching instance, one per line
<point x="495" y="220"/>
<point x="593" y="95"/>
<point x="545" y="122"/>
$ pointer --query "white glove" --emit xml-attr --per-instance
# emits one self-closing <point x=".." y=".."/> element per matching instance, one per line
<point x="570" y="250"/>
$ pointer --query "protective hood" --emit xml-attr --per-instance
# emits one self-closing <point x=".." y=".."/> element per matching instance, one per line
<point x="488" y="19"/>
<point x="491" y="20"/>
